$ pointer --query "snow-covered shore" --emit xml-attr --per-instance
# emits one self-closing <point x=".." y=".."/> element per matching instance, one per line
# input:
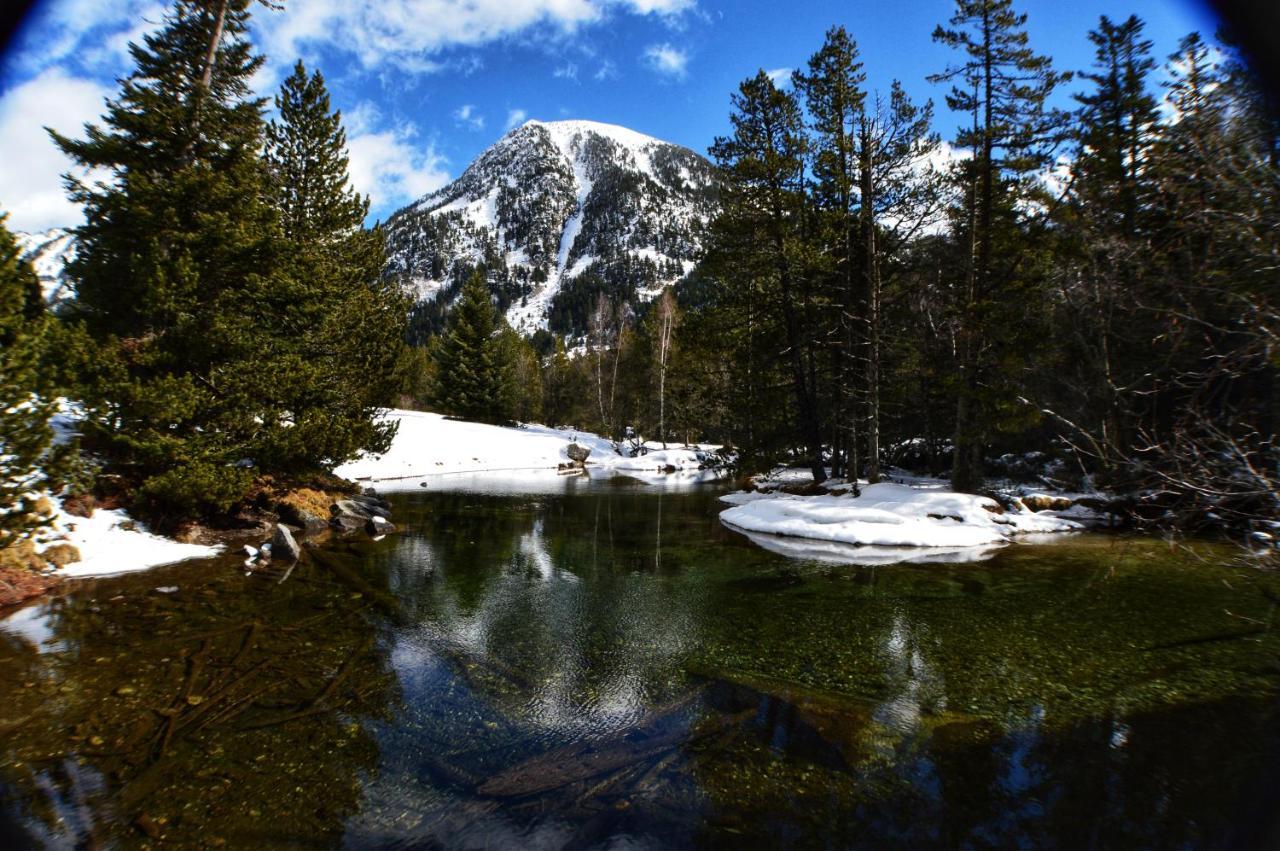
<point x="429" y="447"/>
<point x="111" y="542"/>
<point x="890" y="515"/>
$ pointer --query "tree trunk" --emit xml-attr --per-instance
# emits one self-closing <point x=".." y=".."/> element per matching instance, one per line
<point x="206" y="78"/>
<point x="871" y="284"/>
<point x="966" y="469"/>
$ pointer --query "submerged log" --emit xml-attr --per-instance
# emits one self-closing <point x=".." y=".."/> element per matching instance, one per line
<point x="654" y="735"/>
<point x="817" y="726"/>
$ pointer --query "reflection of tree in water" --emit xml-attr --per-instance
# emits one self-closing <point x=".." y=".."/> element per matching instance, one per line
<point x="1039" y="707"/>
<point x="229" y="711"/>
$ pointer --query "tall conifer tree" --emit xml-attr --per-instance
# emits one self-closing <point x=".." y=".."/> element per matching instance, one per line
<point x="836" y="103"/>
<point x="338" y="324"/>
<point x="759" y="236"/>
<point x="472" y="374"/>
<point x="25" y="434"/>
<point x="175" y="237"/>
<point x="1002" y="86"/>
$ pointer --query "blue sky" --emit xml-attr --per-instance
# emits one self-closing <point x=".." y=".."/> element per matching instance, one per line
<point x="428" y="84"/>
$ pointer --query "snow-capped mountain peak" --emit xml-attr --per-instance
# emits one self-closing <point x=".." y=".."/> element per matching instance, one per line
<point x="555" y="213"/>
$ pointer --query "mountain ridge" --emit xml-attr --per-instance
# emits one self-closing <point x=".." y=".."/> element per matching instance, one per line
<point x="557" y="212"/>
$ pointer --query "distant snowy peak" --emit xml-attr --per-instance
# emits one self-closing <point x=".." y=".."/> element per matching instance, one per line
<point x="48" y="252"/>
<point x="555" y="213"/>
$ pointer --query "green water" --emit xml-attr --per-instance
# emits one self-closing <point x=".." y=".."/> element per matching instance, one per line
<point x="609" y="667"/>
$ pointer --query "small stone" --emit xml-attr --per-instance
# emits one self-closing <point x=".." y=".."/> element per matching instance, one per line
<point x="125" y="691"/>
<point x="144" y="823"/>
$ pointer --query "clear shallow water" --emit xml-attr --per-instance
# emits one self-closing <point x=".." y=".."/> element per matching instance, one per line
<point x="607" y="666"/>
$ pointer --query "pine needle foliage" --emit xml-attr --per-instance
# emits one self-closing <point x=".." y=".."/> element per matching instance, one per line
<point x="473" y="366"/>
<point x="25" y="434"/>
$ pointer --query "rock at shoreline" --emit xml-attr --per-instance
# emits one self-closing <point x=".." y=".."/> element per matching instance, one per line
<point x="1045" y="502"/>
<point x="577" y="453"/>
<point x="347" y="522"/>
<point x="283" y="545"/>
<point x="378" y="526"/>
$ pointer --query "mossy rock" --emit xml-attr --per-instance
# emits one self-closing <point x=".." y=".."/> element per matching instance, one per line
<point x="61" y="555"/>
<point x="305" y="507"/>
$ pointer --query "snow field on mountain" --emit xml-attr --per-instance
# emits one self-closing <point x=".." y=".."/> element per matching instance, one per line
<point x="889" y="515"/>
<point x="556" y="169"/>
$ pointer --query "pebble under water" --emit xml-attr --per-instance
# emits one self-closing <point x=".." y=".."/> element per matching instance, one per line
<point x="608" y="666"/>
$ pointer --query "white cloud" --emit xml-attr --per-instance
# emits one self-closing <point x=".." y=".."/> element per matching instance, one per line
<point x="568" y="71"/>
<point x="781" y="77"/>
<point x="91" y="32"/>
<point x="607" y="71"/>
<point x="661" y="7"/>
<point x="469" y="117"/>
<point x="666" y="60"/>
<point x="516" y="117"/>
<point x="392" y="166"/>
<point x="397" y="30"/>
<point x="30" y="171"/>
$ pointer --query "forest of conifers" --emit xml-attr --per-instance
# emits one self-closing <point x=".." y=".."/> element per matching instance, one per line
<point x="1096" y="285"/>
<point x="1085" y="294"/>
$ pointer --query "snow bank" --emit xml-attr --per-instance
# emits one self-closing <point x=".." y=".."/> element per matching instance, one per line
<point x="111" y="542"/>
<point x="891" y="515"/>
<point x="429" y="446"/>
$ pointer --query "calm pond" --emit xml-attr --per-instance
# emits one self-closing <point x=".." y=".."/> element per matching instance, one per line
<point x="608" y="666"/>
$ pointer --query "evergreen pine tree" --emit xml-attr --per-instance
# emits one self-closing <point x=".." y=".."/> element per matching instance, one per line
<point x="1116" y="122"/>
<point x="1103" y="227"/>
<point x="836" y="101"/>
<point x="471" y="368"/>
<point x="1003" y="86"/>
<point x="338" y="324"/>
<point x="25" y="434"/>
<point x="759" y="244"/>
<point x="173" y="244"/>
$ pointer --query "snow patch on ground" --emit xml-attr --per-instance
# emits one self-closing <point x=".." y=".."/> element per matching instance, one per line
<point x="111" y="542"/>
<point x="890" y="515"/>
<point x="429" y="446"/>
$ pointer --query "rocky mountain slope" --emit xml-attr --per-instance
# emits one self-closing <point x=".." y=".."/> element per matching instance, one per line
<point x="49" y="252"/>
<point x="556" y="213"/>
